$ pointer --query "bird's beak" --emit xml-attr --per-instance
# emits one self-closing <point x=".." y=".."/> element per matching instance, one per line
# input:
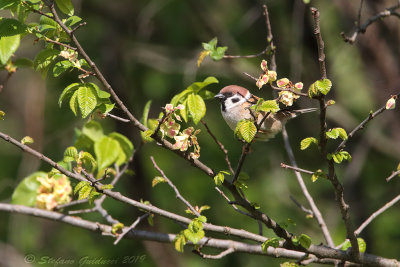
<point x="219" y="96"/>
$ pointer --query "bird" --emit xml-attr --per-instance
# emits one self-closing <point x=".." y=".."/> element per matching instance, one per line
<point x="235" y="106"/>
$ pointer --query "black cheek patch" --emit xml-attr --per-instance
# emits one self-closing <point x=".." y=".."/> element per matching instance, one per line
<point x="235" y="100"/>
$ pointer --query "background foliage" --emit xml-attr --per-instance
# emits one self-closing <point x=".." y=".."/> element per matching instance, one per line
<point x="149" y="50"/>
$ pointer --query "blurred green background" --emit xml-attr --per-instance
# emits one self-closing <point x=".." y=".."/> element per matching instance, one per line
<point x="148" y="50"/>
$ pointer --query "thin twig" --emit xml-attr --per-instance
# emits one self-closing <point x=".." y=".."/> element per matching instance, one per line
<point x="59" y="43"/>
<point x="363" y="28"/>
<point x="248" y="56"/>
<point x="178" y="195"/>
<point x="75" y="212"/>
<point x="376" y="214"/>
<point x="270" y="38"/>
<point x="317" y="214"/>
<point x="362" y="124"/>
<point x="133" y="225"/>
<point x="117" y="118"/>
<point x="215" y="257"/>
<point x="308" y="211"/>
<point x="320" y="43"/>
<point x="297" y="169"/>
<point x="220" y="145"/>
<point x="78" y="26"/>
<point x="232" y="203"/>
<point x="394" y="174"/>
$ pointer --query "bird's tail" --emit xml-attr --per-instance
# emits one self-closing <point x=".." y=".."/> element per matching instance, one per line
<point x="306" y="110"/>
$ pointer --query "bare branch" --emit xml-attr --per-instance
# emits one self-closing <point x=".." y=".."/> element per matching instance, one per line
<point x="361" y="126"/>
<point x="283" y="165"/>
<point x="133" y="225"/>
<point x="376" y="214"/>
<point x="117" y="118"/>
<point x="247" y="56"/>
<point x="178" y="195"/>
<point x="270" y="38"/>
<point x="391" y="11"/>
<point x="316" y="212"/>
<point x="394" y="174"/>
<point x="215" y="257"/>
<point x="220" y="145"/>
<point x="308" y="211"/>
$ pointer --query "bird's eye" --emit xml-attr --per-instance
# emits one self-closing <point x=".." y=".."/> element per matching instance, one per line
<point x="235" y="100"/>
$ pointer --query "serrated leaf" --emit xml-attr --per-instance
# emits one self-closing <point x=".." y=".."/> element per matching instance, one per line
<point x="80" y="185"/>
<point x="70" y="154"/>
<point x="60" y="67"/>
<point x="362" y="246"/>
<point x="305" y="241"/>
<point x="268" y="106"/>
<point x="44" y="58"/>
<point x="8" y="45"/>
<point x="202" y="219"/>
<point x="246" y="130"/>
<point x="323" y="86"/>
<point x="84" y="192"/>
<point x="342" y="133"/>
<point x="193" y="237"/>
<point x="73" y="103"/>
<point x="107" y="151"/>
<point x="318" y="174"/>
<point x="332" y="133"/>
<point x="88" y="161"/>
<point x="219" y="179"/>
<point x="11" y="27"/>
<point x="68" y="92"/>
<point x="86" y="99"/>
<point x="211" y="45"/>
<point x="65" y="6"/>
<point x="197" y="107"/>
<point x="126" y="146"/>
<point x="271" y="242"/>
<point x="107" y="187"/>
<point x="198" y="86"/>
<point x="306" y="142"/>
<point x="179" y="242"/>
<point x="93" y="130"/>
<point x="72" y="21"/>
<point x="27" y="140"/>
<point x="26" y="191"/>
<point x="218" y="53"/>
<point x="157" y="180"/>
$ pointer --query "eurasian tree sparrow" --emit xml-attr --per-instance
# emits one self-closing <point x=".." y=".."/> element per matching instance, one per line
<point x="235" y="106"/>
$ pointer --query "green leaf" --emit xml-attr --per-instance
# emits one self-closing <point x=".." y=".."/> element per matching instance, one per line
<point x="11" y="27"/>
<point x="318" y="174"/>
<point x="146" y="111"/>
<point x="89" y="163"/>
<point x="61" y="67"/>
<point x="193" y="237"/>
<point x="271" y="242"/>
<point x="268" y="106"/>
<point x="246" y="130"/>
<point x="7" y="4"/>
<point x="332" y="133"/>
<point x="84" y="192"/>
<point x="306" y="142"/>
<point x="80" y="185"/>
<point x="157" y="180"/>
<point x="126" y="146"/>
<point x="73" y="103"/>
<point x="219" y="178"/>
<point x="206" y="95"/>
<point x="66" y="7"/>
<point x="198" y="86"/>
<point x="107" y="187"/>
<point x="107" y="151"/>
<point x="342" y="133"/>
<point x="8" y="45"/>
<point x="72" y="21"/>
<point x="87" y="100"/>
<point x="70" y="154"/>
<point x="44" y="58"/>
<point x="93" y="130"/>
<point x="27" y="140"/>
<point x="23" y="63"/>
<point x="116" y="227"/>
<point x="211" y="45"/>
<point x="179" y="242"/>
<point x="2" y="114"/>
<point x="68" y="92"/>
<point x="361" y="245"/>
<point x="218" y="53"/>
<point x="197" y="107"/>
<point x="305" y="241"/>
<point x="26" y="191"/>
<point x="289" y="264"/>
<point x="323" y="86"/>
<point x="338" y="157"/>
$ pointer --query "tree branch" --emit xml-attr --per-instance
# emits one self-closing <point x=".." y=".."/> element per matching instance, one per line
<point x="178" y="195"/>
